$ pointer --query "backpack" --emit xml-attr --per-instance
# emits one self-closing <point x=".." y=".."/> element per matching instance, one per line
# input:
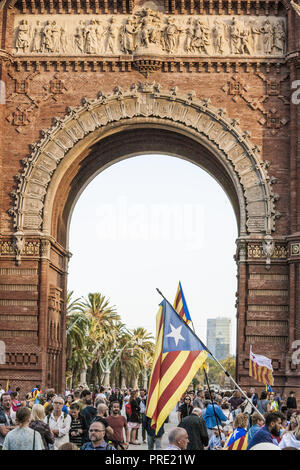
<point x="48" y="417"/>
<point x="108" y="447"/>
<point x="128" y="409"/>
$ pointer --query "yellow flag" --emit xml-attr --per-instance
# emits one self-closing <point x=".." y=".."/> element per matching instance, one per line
<point x="7" y="385"/>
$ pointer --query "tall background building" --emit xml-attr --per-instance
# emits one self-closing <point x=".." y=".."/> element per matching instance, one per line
<point x="218" y="336"/>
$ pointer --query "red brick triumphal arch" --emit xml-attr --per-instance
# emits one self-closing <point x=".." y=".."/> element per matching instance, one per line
<point x="208" y="81"/>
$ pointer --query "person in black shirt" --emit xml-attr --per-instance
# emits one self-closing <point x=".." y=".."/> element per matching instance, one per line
<point x="78" y="433"/>
<point x="185" y="409"/>
<point x="196" y="428"/>
<point x="102" y="414"/>
<point x="291" y="401"/>
<point x="89" y="411"/>
<point x="134" y="419"/>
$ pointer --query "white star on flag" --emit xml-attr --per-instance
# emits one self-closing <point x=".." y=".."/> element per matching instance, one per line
<point x="175" y="334"/>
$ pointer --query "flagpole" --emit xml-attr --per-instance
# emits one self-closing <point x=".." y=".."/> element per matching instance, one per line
<point x="212" y="402"/>
<point x="218" y="362"/>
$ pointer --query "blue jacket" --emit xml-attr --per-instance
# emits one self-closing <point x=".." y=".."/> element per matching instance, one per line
<point x="253" y="430"/>
<point x="209" y="416"/>
<point x="263" y="435"/>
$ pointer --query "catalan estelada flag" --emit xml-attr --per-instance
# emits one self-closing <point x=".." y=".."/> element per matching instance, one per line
<point x="238" y="440"/>
<point x="178" y="356"/>
<point x="180" y="305"/>
<point x="260" y="368"/>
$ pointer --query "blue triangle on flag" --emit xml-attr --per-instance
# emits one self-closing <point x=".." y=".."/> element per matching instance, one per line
<point x="177" y="334"/>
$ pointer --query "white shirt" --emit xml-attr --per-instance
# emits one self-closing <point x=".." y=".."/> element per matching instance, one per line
<point x="289" y="440"/>
<point x="63" y="424"/>
<point x="1" y="391"/>
<point x="101" y="395"/>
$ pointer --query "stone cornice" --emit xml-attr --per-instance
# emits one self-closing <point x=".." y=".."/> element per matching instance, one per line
<point x="145" y="64"/>
<point x="229" y="7"/>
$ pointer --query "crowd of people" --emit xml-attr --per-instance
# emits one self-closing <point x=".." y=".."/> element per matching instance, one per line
<point x="228" y="421"/>
<point x="111" y="419"/>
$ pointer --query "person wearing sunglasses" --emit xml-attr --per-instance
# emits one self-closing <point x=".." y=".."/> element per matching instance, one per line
<point x="59" y="422"/>
<point x="186" y="408"/>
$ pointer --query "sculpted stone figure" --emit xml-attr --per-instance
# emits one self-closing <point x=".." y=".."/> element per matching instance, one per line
<point x="150" y="27"/>
<point x="219" y="35"/>
<point x="111" y="36"/>
<point x="267" y="31"/>
<point x="63" y="39"/>
<point x="79" y="37"/>
<point x="235" y="36"/>
<point x="201" y="38"/>
<point x="23" y="37"/>
<point x="128" y="35"/>
<point x="254" y="36"/>
<point x="171" y="36"/>
<point x="37" y="38"/>
<point x="55" y="36"/>
<point x="245" y="37"/>
<point x="279" y="37"/>
<point x="189" y="33"/>
<point x="47" y="39"/>
<point x="91" y="40"/>
<point x="18" y="245"/>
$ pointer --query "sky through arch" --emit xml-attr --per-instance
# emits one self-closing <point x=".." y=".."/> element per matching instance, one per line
<point x="150" y="221"/>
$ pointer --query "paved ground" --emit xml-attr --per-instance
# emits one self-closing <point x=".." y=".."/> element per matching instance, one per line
<point x="171" y="424"/>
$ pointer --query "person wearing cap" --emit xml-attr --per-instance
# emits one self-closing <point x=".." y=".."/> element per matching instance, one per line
<point x="217" y="440"/>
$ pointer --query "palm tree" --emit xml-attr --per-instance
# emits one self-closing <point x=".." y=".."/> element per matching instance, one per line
<point x="102" y="326"/>
<point x="136" y="357"/>
<point x="144" y="351"/>
<point x="96" y="305"/>
<point x="77" y="325"/>
<point x="73" y="305"/>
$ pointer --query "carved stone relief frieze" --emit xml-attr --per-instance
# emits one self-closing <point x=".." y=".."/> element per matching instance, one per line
<point x="149" y="32"/>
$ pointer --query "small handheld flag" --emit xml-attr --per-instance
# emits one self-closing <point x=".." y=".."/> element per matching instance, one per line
<point x="238" y="440"/>
<point x="260" y="368"/>
<point x="178" y="356"/>
<point x="180" y="305"/>
<point x="35" y="393"/>
<point x="7" y="385"/>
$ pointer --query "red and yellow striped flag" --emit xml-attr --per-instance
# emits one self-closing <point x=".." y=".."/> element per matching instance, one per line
<point x="238" y="440"/>
<point x="178" y="356"/>
<point x="260" y="368"/>
<point x="180" y="305"/>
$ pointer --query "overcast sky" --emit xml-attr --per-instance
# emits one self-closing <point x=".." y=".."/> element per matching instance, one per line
<point x="148" y="222"/>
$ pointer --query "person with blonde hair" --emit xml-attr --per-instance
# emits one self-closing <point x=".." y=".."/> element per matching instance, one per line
<point x="292" y="438"/>
<point x="37" y="423"/>
<point x="68" y="446"/>
<point x="238" y="439"/>
<point x="22" y="437"/>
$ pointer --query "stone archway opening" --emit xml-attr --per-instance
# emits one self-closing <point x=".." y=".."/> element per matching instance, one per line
<point x="126" y="260"/>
